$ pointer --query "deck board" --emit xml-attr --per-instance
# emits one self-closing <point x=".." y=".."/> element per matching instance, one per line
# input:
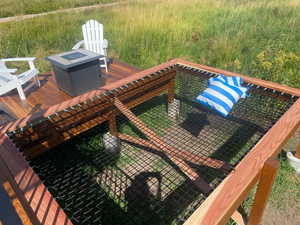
<point x="39" y="98"/>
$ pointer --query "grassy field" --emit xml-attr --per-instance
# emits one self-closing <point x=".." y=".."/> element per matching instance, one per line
<point x="260" y="38"/>
<point x="23" y="7"/>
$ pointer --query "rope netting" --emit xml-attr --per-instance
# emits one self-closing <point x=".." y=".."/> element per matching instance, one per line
<point x="166" y="160"/>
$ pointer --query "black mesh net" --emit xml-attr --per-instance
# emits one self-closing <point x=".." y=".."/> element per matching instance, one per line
<point x="96" y="182"/>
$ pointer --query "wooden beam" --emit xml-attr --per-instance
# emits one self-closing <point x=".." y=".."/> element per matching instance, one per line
<point x="160" y="143"/>
<point x="264" y="189"/>
<point x="72" y="131"/>
<point x="37" y="201"/>
<point x="171" y="90"/>
<point x="297" y="155"/>
<point x="188" y="156"/>
<point x="169" y="150"/>
<point x="76" y="117"/>
<point x="113" y="125"/>
<point x="190" y="172"/>
<point x="6" y="181"/>
<point x="238" y="218"/>
<point x="186" y="169"/>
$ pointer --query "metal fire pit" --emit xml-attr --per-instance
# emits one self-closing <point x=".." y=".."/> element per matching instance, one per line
<point x="77" y="71"/>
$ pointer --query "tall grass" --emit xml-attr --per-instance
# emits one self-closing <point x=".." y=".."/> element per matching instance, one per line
<point x="22" y="7"/>
<point x="260" y="38"/>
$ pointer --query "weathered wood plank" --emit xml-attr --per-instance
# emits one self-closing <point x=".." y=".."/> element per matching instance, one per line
<point x="42" y="208"/>
<point x="298" y="152"/>
<point x="264" y="189"/>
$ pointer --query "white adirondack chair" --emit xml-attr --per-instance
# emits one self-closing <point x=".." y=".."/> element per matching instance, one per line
<point x="93" y="41"/>
<point x="9" y="82"/>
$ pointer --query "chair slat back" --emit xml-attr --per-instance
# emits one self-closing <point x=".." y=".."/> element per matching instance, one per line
<point x="93" y="36"/>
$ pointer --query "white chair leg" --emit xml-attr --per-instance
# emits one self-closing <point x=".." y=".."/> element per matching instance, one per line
<point x="105" y="63"/>
<point x="37" y="81"/>
<point x="21" y="92"/>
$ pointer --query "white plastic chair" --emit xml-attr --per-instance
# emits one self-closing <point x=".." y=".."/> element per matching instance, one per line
<point x="9" y="82"/>
<point x="93" y="41"/>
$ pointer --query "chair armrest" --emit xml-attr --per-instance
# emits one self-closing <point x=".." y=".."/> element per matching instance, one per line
<point x="105" y="43"/>
<point x="18" y="59"/>
<point x="78" y="44"/>
<point x="8" y="70"/>
<point x="28" y="59"/>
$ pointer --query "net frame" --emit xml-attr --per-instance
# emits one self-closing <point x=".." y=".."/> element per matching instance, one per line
<point x="289" y="122"/>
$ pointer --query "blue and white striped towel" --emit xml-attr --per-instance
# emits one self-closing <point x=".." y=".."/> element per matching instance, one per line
<point x="221" y="95"/>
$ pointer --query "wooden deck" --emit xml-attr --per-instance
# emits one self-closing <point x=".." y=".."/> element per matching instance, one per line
<point x="38" y="98"/>
<point x="42" y="208"/>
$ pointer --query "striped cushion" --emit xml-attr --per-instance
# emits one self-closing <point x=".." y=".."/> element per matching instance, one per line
<point x="220" y="95"/>
<point x="233" y="81"/>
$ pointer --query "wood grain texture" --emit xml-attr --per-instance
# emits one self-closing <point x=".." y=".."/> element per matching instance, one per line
<point x="41" y="207"/>
<point x="6" y="181"/>
<point x="238" y="218"/>
<point x="297" y="155"/>
<point x="220" y="205"/>
<point x="113" y="125"/>
<point x="263" y="191"/>
<point x="171" y="91"/>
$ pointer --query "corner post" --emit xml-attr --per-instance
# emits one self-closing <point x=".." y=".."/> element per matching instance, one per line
<point x="297" y="155"/>
<point x="266" y="180"/>
<point x="171" y="91"/>
<point x="113" y="125"/>
<point x="173" y="104"/>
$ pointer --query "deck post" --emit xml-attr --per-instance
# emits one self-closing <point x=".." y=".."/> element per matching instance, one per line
<point x="113" y="125"/>
<point x="266" y="180"/>
<point x="110" y="139"/>
<point x="171" y="90"/>
<point x="173" y="104"/>
<point x="297" y="155"/>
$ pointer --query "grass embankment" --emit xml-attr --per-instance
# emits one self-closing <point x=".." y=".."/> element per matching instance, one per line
<point x="258" y="38"/>
<point x="23" y="7"/>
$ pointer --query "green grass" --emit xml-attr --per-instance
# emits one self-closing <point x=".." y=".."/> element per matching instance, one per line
<point x="285" y="193"/>
<point x="258" y="38"/>
<point x="286" y="187"/>
<point x="23" y="7"/>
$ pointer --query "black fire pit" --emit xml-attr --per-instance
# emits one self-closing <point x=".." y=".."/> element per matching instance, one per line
<point x="77" y="71"/>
